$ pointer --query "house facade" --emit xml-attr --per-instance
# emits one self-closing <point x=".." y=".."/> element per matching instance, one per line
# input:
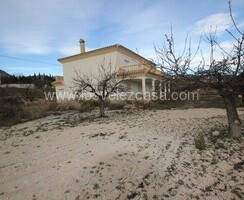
<point x="141" y="74"/>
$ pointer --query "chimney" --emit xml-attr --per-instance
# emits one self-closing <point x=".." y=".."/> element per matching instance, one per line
<point x="82" y="46"/>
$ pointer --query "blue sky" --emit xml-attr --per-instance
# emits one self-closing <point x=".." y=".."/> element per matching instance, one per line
<point x="45" y="30"/>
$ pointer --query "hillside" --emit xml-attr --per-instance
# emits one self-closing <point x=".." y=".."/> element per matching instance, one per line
<point x="3" y="73"/>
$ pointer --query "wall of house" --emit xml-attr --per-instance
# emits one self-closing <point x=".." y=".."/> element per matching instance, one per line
<point x="17" y="85"/>
<point x="87" y="66"/>
<point x="124" y="60"/>
<point x="136" y="85"/>
<point x="148" y="85"/>
<point x="91" y="65"/>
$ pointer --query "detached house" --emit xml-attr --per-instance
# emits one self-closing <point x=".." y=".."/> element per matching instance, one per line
<point x="142" y="74"/>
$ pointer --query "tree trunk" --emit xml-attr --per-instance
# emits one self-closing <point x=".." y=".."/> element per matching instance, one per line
<point x="232" y="115"/>
<point x="102" y="107"/>
<point x="242" y="102"/>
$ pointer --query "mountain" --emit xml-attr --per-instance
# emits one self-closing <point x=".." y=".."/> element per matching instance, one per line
<point x="3" y="73"/>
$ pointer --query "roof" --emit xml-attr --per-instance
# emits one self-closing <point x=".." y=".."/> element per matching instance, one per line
<point x="108" y="49"/>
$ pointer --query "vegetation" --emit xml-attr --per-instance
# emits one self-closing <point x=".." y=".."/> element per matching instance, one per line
<point x="226" y="75"/>
<point x="200" y="142"/>
<point x="14" y="110"/>
<point x="22" y="104"/>
<point x="39" y="80"/>
<point x="101" y="85"/>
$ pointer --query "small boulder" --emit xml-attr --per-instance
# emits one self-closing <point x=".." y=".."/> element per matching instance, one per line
<point x="215" y="133"/>
<point x="129" y="107"/>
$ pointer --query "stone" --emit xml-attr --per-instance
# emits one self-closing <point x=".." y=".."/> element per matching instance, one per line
<point x="215" y="133"/>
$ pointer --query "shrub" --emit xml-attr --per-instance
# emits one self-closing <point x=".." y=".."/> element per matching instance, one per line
<point x="68" y="105"/>
<point x="24" y="93"/>
<point x="200" y="142"/>
<point x="37" y="109"/>
<point x="88" y="105"/>
<point x="143" y="104"/>
<point x="22" y="104"/>
<point x="13" y="110"/>
<point x="115" y="105"/>
<point x="10" y="107"/>
<point x="221" y="128"/>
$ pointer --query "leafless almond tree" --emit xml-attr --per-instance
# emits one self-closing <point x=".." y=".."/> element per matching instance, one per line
<point x="102" y="84"/>
<point x="226" y="75"/>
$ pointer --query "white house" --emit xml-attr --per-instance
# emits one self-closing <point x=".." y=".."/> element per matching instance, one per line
<point x="142" y="74"/>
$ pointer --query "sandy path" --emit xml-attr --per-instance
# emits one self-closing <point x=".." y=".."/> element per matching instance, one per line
<point x="138" y="155"/>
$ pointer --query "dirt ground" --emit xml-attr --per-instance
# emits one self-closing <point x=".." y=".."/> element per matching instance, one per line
<point x="148" y="154"/>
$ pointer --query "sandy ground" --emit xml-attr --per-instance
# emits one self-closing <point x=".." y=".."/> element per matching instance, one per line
<point x="130" y="155"/>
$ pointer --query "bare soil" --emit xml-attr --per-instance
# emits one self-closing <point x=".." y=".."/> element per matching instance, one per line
<point x="129" y="155"/>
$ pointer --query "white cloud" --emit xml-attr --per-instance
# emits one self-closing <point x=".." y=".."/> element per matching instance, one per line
<point x="143" y="22"/>
<point x="38" y="27"/>
<point x="70" y="50"/>
<point x="241" y="26"/>
<point x="217" y="22"/>
<point x="47" y="26"/>
<point x="25" y="70"/>
<point x="218" y="53"/>
<point x="22" y="43"/>
<point x="227" y="46"/>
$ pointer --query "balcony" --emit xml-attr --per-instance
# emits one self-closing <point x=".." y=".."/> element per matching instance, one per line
<point x="131" y="70"/>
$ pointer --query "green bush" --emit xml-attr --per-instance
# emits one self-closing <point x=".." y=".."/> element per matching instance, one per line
<point x="200" y="142"/>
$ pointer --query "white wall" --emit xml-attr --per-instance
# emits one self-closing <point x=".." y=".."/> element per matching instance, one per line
<point x="59" y="88"/>
<point x="17" y="85"/>
<point x="91" y="65"/>
<point x="124" y="60"/>
<point x="87" y="66"/>
<point x="136" y="86"/>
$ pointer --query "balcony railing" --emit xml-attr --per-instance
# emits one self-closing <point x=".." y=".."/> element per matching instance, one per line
<point x="138" y="69"/>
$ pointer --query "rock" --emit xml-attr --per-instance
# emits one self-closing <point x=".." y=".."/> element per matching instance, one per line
<point x="180" y="182"/>
<point x="237" y="192"/>
<point x="222" y="187"/>
<point x="207" y="155"/>
<point x="173" y="192"/>
<point x="239" y="165"/>
<point x="132" y="195"/>
<point x="141" y="185"/>
<point x="129" y="107"/>
<point x="215" y="133"/>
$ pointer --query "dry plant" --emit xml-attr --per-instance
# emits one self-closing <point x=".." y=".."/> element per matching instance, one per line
<point x="225" y="75"/>
<point x="103" y="84"/>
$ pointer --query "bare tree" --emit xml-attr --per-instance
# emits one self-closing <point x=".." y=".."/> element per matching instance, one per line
<point x="225" y="75"/>
<point x="102" y="84"/>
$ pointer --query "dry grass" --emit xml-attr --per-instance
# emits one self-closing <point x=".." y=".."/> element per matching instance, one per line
<point x="88" y="105"/>
<point x="14" y="111"/>
<point x="38" y="109"/>
<point x="115" y="105"/>
<point x="68" y="105"/>
<point x="15" y="108"/>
